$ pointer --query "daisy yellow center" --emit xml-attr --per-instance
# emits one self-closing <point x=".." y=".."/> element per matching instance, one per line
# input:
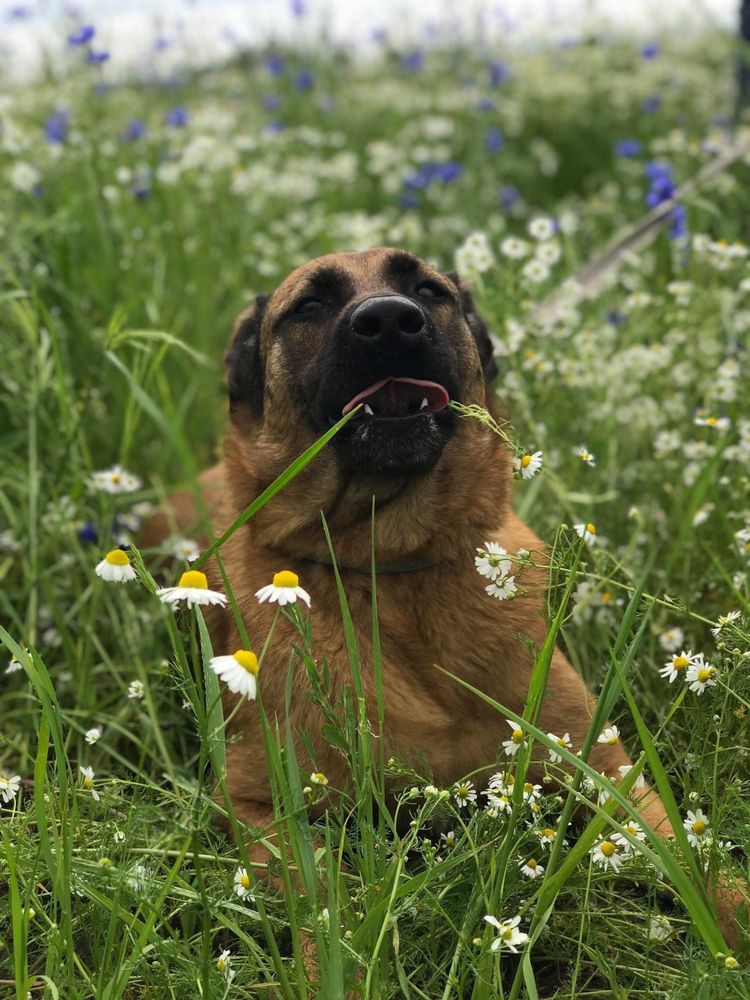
<point x="116" y="477"/>
<point x="699" y="827"/>
<point x="591" y="528"/>
<point x="247" y="660"/>
<point x="711" y="421"/>
<point x="506" y="933"/>
<point x="611" y="740"/>
<point x="526" y="461"/>
<point x="703" y="674"/>
<point x="607" y="848"/>
<point x="245" y="881"/>
<point x="606" y="597"/>
<point x="285" y="579"/>
<point x="517" y="736"/>
<point x="87" y="782"/>
<point x="531" y="863"/>
<point x="117" y="557"/>
<point x="680" y="662"/>
<point x="561" y="741"/>
<point x="220" y="965"/>
<point x="548" y="832"/>
<point x="194" y="579"/>
<point x="528" y="787"/>
<point x="463" y="791"/>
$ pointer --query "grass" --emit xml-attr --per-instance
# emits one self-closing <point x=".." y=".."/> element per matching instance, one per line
<point x="123" y="264"/>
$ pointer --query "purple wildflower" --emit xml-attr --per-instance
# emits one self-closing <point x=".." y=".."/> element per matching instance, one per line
<point x="178" y="117"/>
<point x="83" y="36"/>
<point x="56" y="127"/>
<point x="494" y="140"/>
<point x="629" y="147"/>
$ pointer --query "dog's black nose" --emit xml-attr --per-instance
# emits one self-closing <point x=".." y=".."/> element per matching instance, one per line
<point x="385" y="319"/>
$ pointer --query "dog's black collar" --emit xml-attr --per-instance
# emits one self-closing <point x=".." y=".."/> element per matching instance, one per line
<point x="408" y="566"/>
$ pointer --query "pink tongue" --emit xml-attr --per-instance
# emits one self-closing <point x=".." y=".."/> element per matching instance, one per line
<point x="436" y="396"/>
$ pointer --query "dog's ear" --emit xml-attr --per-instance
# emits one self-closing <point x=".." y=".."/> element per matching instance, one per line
<point x="477" y="326"/>
<point x="243" y="363"/>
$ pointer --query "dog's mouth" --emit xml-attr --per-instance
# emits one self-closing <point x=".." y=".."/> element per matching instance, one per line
<point x="395" y="398"/>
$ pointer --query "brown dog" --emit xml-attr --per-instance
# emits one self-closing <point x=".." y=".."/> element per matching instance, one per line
<point x="384" y="329"/>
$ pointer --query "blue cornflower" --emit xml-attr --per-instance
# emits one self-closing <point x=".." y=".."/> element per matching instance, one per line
<point x="651" y="50"/>
<point x="379" y="36"/>
<point x="135" y="129"/>
<point x="161" y="42"/>
<point x="431" y="171"/>
<point x="662" y="188"/>
<point x="275" y="64"/>
<point x="97" y="57"/>
<point x="88" y="533"/>
<point x="56" y="127"/>
<point x="629" y="147"/>
<point x="509" y="196"/>
<point x="498" y="73"/>
<point x="651" y="104"/>
<point x="19" y="13"/>
<point x="83" y="36"/>
<point x="299" y="8"/>
<point x="485" y="104"/>
<point x="274" y="127"/>
<point x="178" y="117"/>
<point x="304" y="79"/>
<point x="616" y="318"/>
<point x="494" y="140"/>
<point x="409" y="199"/>
<point x="271" y="102"/>
<point x="412" y="61"/>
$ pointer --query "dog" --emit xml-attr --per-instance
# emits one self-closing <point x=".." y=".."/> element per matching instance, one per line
<point x="383" y="331"/>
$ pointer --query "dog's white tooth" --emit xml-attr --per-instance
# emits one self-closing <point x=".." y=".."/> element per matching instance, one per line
<point x="423" y="404"/>
<point x="368" y="410"/>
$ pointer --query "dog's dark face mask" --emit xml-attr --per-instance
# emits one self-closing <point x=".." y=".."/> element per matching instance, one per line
<point x="379" y="332"/>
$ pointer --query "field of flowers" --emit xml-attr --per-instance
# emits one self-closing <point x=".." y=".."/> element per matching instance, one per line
<point x="137" y="219"/>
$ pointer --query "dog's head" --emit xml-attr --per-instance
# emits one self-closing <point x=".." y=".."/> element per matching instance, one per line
<point x="379" y="328"/>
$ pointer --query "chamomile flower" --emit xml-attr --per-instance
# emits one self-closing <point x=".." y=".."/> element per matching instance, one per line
<point x="503" y="589"/>
<point x="224" y="965"/>
<point x="285" y="589"/>
<point x="87" y="782"/>
<point x="238" y="672"/>
<point x="114" y="481"/>
<point x="508" y="934"/>
<point x="318" y="778"/>
<point x="93" y="735"/>
<point x="184" y="548"/>
<point x="696" y="826"/>
<point x="723" y="620"/>
<point x="514" y="248"/>
<point x="242" y="885"/>
<point x="677" y="663"/>
<point x="585" y="455"/>
<point x="464" y="793"/>
<point x="546" y="835"/>
<point x="115" y="567"/>
<point x="634" y="830"/>
<point x="561" y="741"/>
<point x="515" y="742"/>
<point x="672" y="639"/>
<point x="13" y="666"/>
<point x="610" y="736"/>
<point x="541" y="228"/>
<point x="606" y="854"/>
<point x="9" y="787"/>
<point x="492" y="561"/>
<point x="531" y="792"/>
<point x="136" y="690"/>
<point x="193" y="589"/>
<point x="640" y="781"/>
<point x="660" y="928"/>
<point x="715" y="423"/>
<point x="532" y="868"/>
<point x="449" y="838"/>
<point x="528" y="464"/>
<point x="587" y="532"/>
<point x="701" y="675"/>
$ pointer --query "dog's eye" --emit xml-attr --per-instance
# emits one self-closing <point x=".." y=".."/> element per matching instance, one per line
<point x="308" y="306"/>
<point x="429" y="290"/>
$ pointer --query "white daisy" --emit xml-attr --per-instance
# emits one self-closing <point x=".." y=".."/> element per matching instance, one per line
<point x="92" y="735"/>
<point x="115" y="567"/>
<point x="242" y="885"/>
<point x="528" y="465"/>
<point x="87" y="782"/>
<point x="532" y="868"/>
<point x="587" y="532"/>
<point x="672" y="639"/>
<point x="610" y="736"/>
<point x="531" y="792"/>
<point x="715" y="423"/>
<point x="701" y="675"/>
<point x="114" y="481"/>
<point x="640" y="781"/>
<point x="503" y="589"/>
<point x="660" y="928"/>
<point x="193" y="589"/>
<point x="136" y="689"/>
<point x="285" y="589"/>
<point x="238" y="672"/>
<point x="9" y="787"/>
<point x="318" y="778"/>
<point x="677" y="663"/>
<point x="13" y="666"/>
<point x="605" y="853"/>
<point x="724" y="620"/>
<point x="696" y="826"/>
<point x="514" y="248"/>
<point x="184" y="548"/>
<point x="515" y="742"/>
<point x="585" y="455"/>
<point x="634" y="830"/>
<point x="508" y="935"/>
<point x="541" y="228"/>
<point x="449" y="838"/>
<point x="492" y="561"/>
<point x="223" y="965"/>
<point x="546" y="835"/>
<point x="464" y="793"/>
<point x="562" y="741"/>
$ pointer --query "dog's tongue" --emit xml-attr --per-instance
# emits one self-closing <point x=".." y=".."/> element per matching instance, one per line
<point x="399" y="397"/>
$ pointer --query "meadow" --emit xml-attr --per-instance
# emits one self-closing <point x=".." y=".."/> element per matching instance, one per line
<point x="137" y="219"/>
